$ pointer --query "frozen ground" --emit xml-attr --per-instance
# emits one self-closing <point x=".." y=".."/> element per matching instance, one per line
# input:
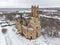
<point x="12" y="38"/>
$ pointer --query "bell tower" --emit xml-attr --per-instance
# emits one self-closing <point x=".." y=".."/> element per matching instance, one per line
<point x="35" y="21"/>
<point x="34" y="11"/>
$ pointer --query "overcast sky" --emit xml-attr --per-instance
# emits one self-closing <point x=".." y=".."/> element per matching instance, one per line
<point x="28" y="3"/>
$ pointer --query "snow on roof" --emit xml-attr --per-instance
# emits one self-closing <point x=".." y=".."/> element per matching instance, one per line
<point x="17" y="16"/>
<point x="4" y="24"/>
<point x="30" y="28"/>
<point x="50" y="10"/>
<point x="1" y="12"/>
<point x="55" y="17"/>
<point x="26" y="17"/>
<point x="27" y="28"/>
<point x="26" y="11"/>
<point x="24" y="27"/>
<point x="0" y="21"/>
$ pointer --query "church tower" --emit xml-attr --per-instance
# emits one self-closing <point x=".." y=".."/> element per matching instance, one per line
<point x="34" y="11"/>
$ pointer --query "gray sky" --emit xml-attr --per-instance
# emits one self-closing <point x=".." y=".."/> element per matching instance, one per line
<point x="28" y="3"/>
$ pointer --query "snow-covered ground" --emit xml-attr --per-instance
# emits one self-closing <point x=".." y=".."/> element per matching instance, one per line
<point x="12" y="38"/>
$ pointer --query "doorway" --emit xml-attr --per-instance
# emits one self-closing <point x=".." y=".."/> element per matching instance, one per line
<point x="36" y="34"/>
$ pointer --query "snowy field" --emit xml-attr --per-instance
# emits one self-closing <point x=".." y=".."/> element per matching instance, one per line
<point x="12" y="38"/>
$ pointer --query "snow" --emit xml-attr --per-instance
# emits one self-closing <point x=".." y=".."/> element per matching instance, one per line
<point x="50" y="10"/>
<point x="4" y="24"/>
<point x="17" y="16"/>
<point x="30" y="28"/>
<point x="12" y="22"/>
<point x="54" y="17"/>
<point x="1" y="12"/>
<point x="26" y="11"/>
<point x="12" y="38"/>
<point x="27" y="28"/>
<point x="26" y="17"/>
